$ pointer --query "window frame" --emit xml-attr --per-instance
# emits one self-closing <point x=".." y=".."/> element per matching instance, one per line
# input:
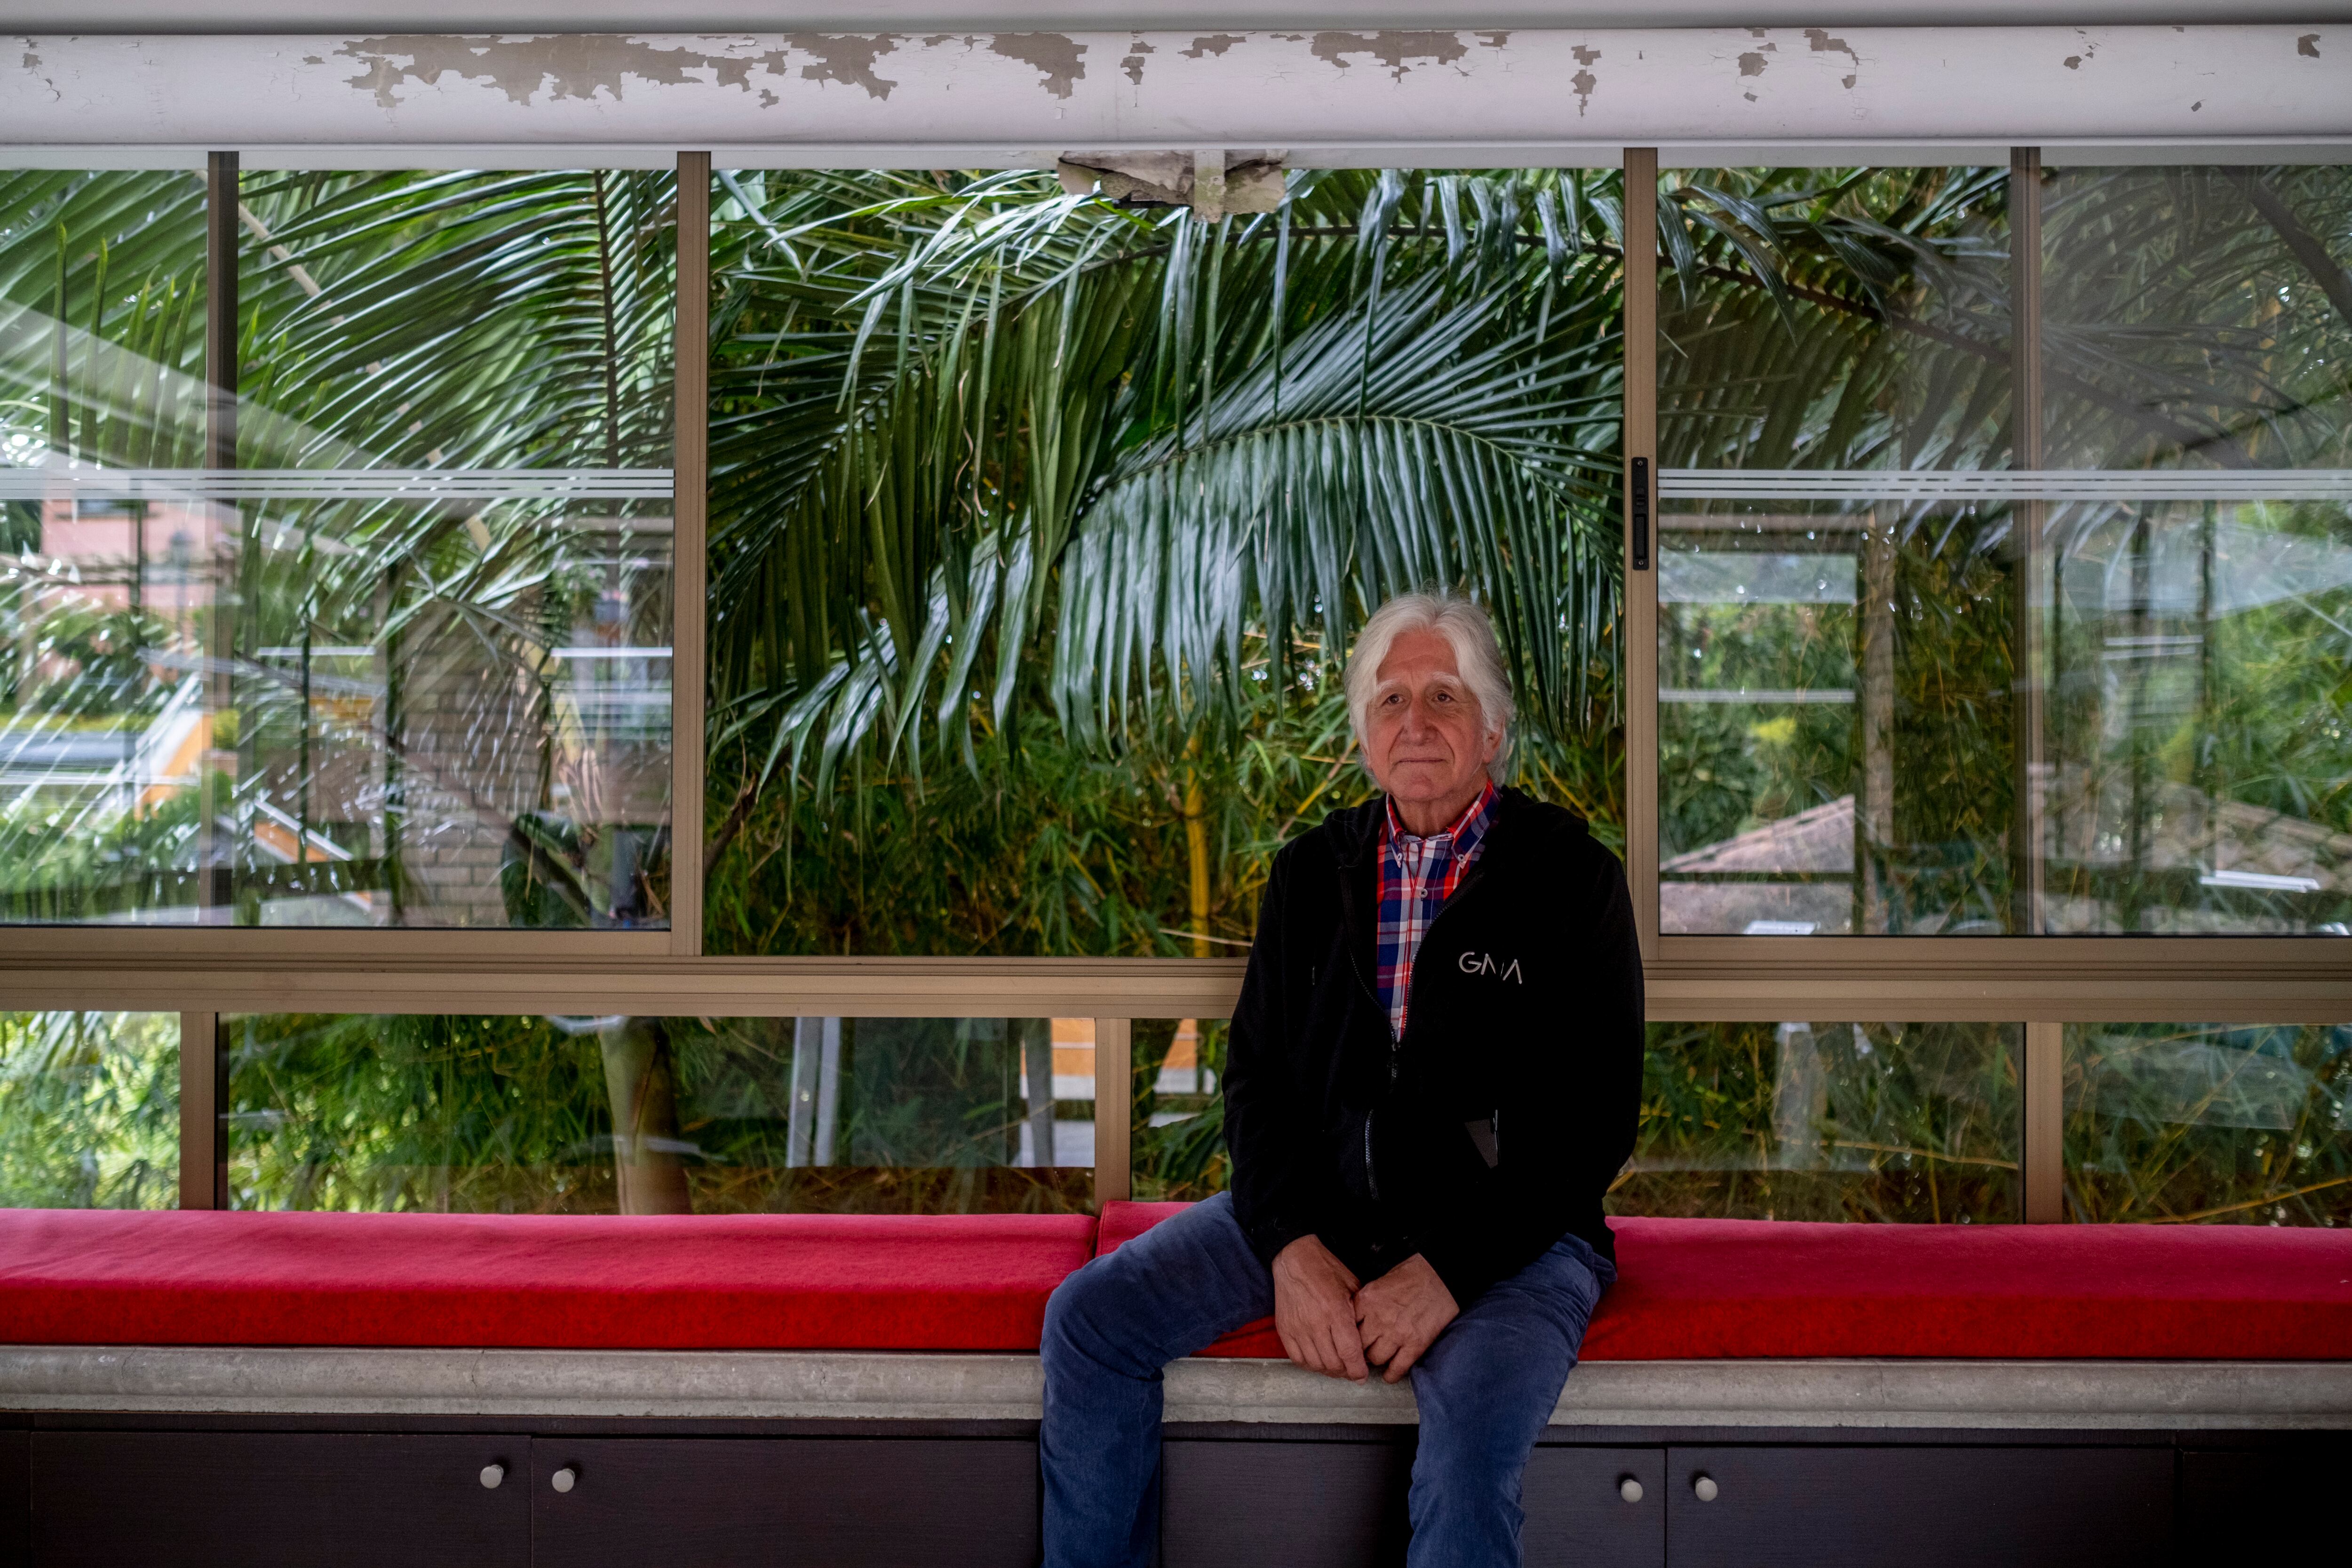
<point x="2040" y="982"/>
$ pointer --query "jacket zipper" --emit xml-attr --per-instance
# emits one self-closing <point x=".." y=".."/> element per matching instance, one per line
<point x="1396" y="1041"/>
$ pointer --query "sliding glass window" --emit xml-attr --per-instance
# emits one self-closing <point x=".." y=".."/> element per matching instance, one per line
<point x="2195" y="600"/>
<point x="2002" y="579"/>
<point x="1835" y="656"/>
<point x="107" y="592"/>
<point x="388" y="645"/>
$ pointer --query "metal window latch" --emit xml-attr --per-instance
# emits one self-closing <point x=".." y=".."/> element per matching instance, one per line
<point x="1640" y="498"/>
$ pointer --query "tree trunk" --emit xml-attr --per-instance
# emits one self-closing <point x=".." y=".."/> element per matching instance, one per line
<point x="1875" y="821"/>
<point x="648" y="1174"/>
<point x="1196" y="848"/>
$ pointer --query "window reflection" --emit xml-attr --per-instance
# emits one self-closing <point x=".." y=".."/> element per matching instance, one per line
<point x="409" y="662"/>
<point x="2195" y="318"/>
<point x="1834" y="706"/>
<point x="1906" y="687"/>
<point x="2233" y="1124"/>
<point x="2200" y="769"/>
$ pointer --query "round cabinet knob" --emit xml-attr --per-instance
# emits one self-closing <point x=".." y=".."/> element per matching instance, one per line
<point x="1704" y="1489"/>
<point x="1629" y="1490"/>
<point x="492" y="1474"/>
<point x="564" y="1480"/>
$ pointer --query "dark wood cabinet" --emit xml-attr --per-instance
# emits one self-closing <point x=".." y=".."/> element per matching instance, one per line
<point x="83" y="1492"/>
<point x="256" y="1500"/>
<point x="2280" y="1501"/>
<point x="1577" y="1513"/>
<point x="15" y="1497"/>
<point x="1340" y="1504"/>
<point x="1246" y="1503"/>
<point x="785" y="1502"/>
<point x="1918" y="1507"/>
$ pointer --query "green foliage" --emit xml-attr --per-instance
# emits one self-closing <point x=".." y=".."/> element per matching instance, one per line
<point x="89" y="1111"/>
<point x="462" y="1114"/>
<point x="979" y="445"/>
<point x="1867" y="1121"/>
<point x="106" y="271"/>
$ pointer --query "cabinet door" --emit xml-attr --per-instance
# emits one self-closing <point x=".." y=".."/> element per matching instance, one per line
<point x="784" y="1502"/>
<point x="255" y="1499"/>
<point x="1235" y="1503"/>
<point x="1280" y="1504"/>
<point x="1580" y="1517"/>
<point x="15" y="1497"/>
<point x="1918" y="1507"/>
<point x="2287" y="1495"/>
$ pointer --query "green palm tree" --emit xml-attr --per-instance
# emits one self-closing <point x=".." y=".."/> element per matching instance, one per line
<point x="981" y="447"/>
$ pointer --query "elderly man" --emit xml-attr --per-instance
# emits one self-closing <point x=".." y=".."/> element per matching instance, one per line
<point x="1434" y="1078"/>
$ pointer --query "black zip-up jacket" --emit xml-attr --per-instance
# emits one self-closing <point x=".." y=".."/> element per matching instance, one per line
<point x="1494" y="1126"/>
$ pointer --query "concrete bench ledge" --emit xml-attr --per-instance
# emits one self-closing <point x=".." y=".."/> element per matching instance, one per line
<point x="959" y="1386"/>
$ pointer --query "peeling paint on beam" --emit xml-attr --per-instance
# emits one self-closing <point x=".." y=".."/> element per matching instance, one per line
<point x="1368" y="89"/>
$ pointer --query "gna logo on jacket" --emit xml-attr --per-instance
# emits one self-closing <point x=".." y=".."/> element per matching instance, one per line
<point x="1485" y="963"/>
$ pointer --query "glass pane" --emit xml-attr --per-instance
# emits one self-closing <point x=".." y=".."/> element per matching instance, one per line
<point x="600" y="1115"/>
<point x="105" y="596"/>
<point x="1178" y="1148"/>
<point x="2197" y="318"/>
<point x="2198" y="626"/>
<point x="1036" y="654"/>
<point x="1833" y="319"/>
<point x="1828" y="1122"/>
<point x="89" y="1111"/>
<point x="2199" y="768"/>
<point x="410" y="663"/>
<point x="2224" y="1123"/>
<point x="1834" y="717"/>
<point x="1835" y="638"/>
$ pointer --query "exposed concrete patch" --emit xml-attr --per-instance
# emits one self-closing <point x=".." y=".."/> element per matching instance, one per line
<point x="1584" y="81"/>
<point x="2308" y="45"/>
<point x="1133" y="64"/>
<point x="1394" y="47"/>
<point x="1214" y="44"/>
<point x="1497" y="41"/>
<point x="586" y="65"/>
<point x="1056" y="56"/>
<point x="33" y="64"/>
<point x="1751" y="64"/>
<point x="847" y="58"/>
<point x="1822" y="44"/>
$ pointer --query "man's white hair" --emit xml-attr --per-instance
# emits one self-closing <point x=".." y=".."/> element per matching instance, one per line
<point x="1476" y="655"/>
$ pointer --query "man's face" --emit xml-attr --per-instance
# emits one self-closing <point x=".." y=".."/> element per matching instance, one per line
<point x="1425" y="738"/>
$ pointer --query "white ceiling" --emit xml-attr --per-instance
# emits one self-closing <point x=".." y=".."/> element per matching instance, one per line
<point x="778" y="15"/>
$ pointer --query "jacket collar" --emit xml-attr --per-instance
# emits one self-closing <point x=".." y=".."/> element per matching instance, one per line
<point x="1356" y="832"/>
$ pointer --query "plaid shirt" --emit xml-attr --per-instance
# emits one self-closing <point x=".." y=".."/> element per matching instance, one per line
<point x="1417" y="876"/>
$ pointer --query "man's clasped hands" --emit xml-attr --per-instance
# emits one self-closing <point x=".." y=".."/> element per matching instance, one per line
<point x="1332" y="1324"/>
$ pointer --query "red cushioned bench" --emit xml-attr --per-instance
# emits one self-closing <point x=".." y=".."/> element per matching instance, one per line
<point x="975" y="1282"/>
<point x="1690" y="1289"/>
<point x="1705" y="1289"/>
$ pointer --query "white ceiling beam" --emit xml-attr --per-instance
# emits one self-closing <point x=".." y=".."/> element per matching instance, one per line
<point x="338" y="16"/>
<point x="1490" y="96"/>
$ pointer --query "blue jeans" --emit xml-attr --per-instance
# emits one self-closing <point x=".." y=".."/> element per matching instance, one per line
<point x="1485" y="1389"/>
